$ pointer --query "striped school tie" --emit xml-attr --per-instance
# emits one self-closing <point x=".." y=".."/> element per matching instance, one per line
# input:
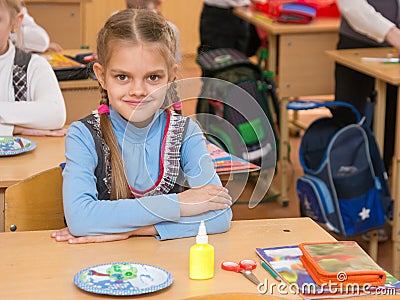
<point x="20" y="82"/>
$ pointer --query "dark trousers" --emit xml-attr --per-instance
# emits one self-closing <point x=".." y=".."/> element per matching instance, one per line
<point x="355" y="88"/>
<point x="220" y="28"/>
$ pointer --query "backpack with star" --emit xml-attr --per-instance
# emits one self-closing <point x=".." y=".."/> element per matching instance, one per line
<point x="344" y="186"/>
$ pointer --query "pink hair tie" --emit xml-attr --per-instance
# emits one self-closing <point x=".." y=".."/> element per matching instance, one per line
<point x="177" y="105"/>
<point x="103" y="109"/>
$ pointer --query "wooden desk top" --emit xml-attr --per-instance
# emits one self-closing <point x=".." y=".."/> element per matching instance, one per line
<point x="53" y="1"/>
<point x="79" y="84"/>
<point x="260" y="19"/>
<point x="352" y="58"/>
<point x="49" y="153"/>
<point x="44" y="269"/>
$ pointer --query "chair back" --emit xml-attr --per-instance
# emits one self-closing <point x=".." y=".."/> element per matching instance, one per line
<point x="35" y="203"/>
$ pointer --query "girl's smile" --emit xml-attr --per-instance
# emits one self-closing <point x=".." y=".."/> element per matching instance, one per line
<point x="136" y="103"/>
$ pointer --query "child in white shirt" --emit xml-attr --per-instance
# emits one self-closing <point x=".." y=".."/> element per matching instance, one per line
<point x="40" y="110"/>
<point x="34" y="37"/>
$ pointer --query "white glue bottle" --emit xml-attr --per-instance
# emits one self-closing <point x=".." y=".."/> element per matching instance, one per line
<point x="201" y="261"/>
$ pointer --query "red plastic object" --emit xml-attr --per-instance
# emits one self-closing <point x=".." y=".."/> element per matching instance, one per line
<point x="271" y="7"/>
<point x="297" y="13"/>
<point x="324" y="8"/>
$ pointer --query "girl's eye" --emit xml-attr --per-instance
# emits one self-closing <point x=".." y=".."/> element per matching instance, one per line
<point x="122" y="77"/>
<point x="153" y="77"/>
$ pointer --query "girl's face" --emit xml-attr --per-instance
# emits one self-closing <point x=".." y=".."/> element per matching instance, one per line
<point x="7" y="25"/>
<point x="132" y="74"/>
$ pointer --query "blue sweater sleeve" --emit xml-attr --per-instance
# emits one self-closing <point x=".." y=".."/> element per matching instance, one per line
<point x="216" y="221"/>
<point x="196" y="160"/>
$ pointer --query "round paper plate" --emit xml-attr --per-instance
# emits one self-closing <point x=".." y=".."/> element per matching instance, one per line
<point x="13" y="145"/>
<point x="123" y="279"/>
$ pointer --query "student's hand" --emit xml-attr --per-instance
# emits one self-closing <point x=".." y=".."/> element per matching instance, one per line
<point x="54" y="47"/>
<point x="64" y="235"/>
<point x="39" y="132"/>
<point x="202" y="199"/>
<point x="393" y="37"/>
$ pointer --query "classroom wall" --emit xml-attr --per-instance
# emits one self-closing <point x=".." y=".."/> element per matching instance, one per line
<point x="185" y="14"/>
<point x="75" y="23"/>
<point x="96" y="12"/>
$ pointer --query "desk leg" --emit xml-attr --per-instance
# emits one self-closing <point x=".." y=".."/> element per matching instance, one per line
<point x="283" y="150"/>
<point x="373" y="244"/>
<point x="396" y="221"/>
<point x="379" y="114"/>
<point x="2" y="207"/>
<point x="272" y="53"/>
<point x="379" y="130"/>
<point x="396" y="181"/>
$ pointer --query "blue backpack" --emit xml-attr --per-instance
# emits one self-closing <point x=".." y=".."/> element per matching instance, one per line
<point x="344" y="186"/>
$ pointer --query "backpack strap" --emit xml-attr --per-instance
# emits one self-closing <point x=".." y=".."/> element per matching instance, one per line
<point x="20" y="80"/>
<point x="218" y="59"/>
<point x="305" y="105"/>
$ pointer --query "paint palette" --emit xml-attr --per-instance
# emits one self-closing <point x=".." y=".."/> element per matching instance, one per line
<point x="123" y="279"/>
<point x="13" y="145"/>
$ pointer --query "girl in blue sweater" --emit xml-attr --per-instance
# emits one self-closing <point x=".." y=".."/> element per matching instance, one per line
<point x="128" y="162"/>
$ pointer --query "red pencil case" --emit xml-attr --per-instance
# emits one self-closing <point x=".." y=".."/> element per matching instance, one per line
<point x="342" y="262"/>
<point x="295" y="13"/>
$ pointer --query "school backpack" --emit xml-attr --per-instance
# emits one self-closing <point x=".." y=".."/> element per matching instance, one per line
<point x="253" y="133"/>
<point x="344" y="186"/>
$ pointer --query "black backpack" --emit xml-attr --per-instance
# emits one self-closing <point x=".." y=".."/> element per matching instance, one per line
<point x="241" y="126"/>
<point x="344" y="186"/>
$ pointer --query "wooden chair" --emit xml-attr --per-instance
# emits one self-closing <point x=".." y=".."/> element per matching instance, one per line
<point x="35" y="203"/>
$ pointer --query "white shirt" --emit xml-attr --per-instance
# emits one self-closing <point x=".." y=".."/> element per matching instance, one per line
<point x="363" y="18"/>
<point x="34" y="37"/>
<point x="45" y="108"/>
<point x="227" y="3"/>
<point x="178" y="55"/>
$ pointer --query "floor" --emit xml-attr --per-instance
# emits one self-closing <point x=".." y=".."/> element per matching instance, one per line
<point x="269" y="208"/>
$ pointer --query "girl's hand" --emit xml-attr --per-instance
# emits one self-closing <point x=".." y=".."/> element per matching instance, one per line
<point x="54" y="47"/>
<point x="64" y="235"/>
<point x="202" y="199"/>
<point x="393" y="37"/>
<point x="39" y="132"/>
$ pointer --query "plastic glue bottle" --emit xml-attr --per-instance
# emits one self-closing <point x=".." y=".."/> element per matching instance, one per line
<point x="201" y="261"/>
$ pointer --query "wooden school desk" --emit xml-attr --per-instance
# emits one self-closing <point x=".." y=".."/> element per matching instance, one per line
<point x="44" y="269"/>
<point x="49" y="153"/>
<point x="383" y="74"/>
<point x="81" y="97"/>
<point x="296" y="56"/>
